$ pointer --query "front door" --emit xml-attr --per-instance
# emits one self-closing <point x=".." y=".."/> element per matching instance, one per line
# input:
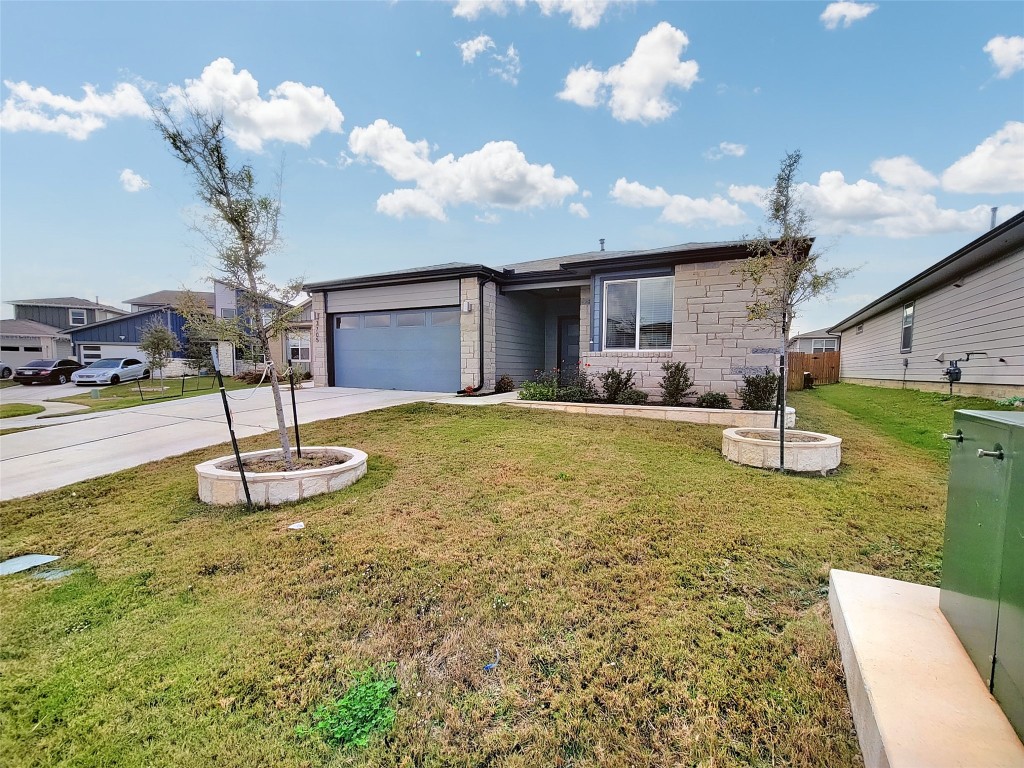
<point x="568" y="347"/>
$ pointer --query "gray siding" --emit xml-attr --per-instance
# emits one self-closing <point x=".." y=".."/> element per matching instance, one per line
<point x="58" y="317"/>
<point x="986" y="315"/>
<point x="437" y="294"/>
<point x="807" y="345"/>
<point x="519" y="335"/>
<point x="223" y="297"/>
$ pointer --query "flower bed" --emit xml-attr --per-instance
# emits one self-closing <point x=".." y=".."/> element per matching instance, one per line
<point x="805" y="451"/>
<point x="223" y="487"/>
<point x="724" y="416"/>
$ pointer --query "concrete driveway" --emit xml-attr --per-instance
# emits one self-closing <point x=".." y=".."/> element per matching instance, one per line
<point x="83" y="446"/>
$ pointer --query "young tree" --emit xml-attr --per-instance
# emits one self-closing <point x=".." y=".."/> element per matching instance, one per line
<point x="242" y="228"/>
<point x="782" y="271"/>
<point x="158" y="343"/>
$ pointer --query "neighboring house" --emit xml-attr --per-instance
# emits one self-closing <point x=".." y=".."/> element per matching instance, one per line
<point x="298" y="339"/>
<point x="64" y="312"/>
<point x="453" y="326"/>
<point x="22" y="341"/>
<point x="814" y="341"/>
<point x="162" y="299"/>
<point x="121" y="336"/>
<point x="970" y="302"/>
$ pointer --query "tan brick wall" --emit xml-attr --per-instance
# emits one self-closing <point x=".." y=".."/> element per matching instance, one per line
<point x="469" y="333"/>
<point x="710" y="333"/>
<point x="318" y="337"/>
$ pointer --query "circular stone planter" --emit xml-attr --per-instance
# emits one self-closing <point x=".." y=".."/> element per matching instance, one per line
<point x="805" y="451"/>
<point x="223" y="487"/>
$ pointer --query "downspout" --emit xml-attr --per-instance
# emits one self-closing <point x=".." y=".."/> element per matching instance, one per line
<point x="480" y="309"/>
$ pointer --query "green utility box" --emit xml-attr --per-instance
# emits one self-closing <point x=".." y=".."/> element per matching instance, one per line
<point x="982" y="592"/>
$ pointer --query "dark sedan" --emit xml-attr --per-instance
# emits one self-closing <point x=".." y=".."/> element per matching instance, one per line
<point x="47" y="372"/>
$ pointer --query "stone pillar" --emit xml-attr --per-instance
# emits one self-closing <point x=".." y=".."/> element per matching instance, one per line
<point x="226" y="353"/>
<point x="469" y="332"/>
<point x="318" y="336"/>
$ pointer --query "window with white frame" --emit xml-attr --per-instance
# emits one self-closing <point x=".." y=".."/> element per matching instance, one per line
<point x="638" y="313"/>
<point x="298" y="346"/>
<point x="823" y="345"/>
<point x="78" y="317"/>
<point x="907" y="336"/>
<point x="227" y="313"/>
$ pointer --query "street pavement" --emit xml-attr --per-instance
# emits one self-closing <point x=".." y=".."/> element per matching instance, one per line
<point x="82" y="446"/>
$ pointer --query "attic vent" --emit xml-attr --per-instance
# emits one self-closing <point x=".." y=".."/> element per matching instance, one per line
<point x="860" y="328"/>
<point x="601" y="241"/>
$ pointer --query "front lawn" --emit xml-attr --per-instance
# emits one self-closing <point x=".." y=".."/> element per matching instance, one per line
<point x="132" y="393"/>
<point x="10" y="410"/>
<point x="651" y="603"/>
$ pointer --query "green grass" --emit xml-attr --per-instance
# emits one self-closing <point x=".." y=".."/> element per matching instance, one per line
<point x="652" y="603"/>
<point x="113" y="397"/>
<point x="10" y="410"/>
<point x="915" y="418"/>
<point x="5" y="383"/>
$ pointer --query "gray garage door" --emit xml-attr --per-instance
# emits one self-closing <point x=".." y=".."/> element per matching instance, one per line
<point x="411" y="349"/>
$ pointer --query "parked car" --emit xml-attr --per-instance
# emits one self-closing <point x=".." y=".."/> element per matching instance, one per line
<point x="5" y="371"/>
<point x="111" y="370"/>
<point x="47" y="372"/>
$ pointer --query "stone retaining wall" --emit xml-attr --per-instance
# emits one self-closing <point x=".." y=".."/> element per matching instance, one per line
<point x="723" y="416"/>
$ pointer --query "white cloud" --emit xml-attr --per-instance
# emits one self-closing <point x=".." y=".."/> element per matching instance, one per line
<point x="29" y="108"/>
<point x="994" y="166"/>
<point x="1007" y="54"/>
<point x="845" y="13"/>
<point x="508" y="66"/>
<point x="294" y="113"/>
<point x="472" y="9"/>
<point x="678" y="209"/>
<point x="726" y="149"/>
<point x="868" y="208"/>
<point x="579" y="209"/>
<point x="133" y="182"/>
<point x="496" y="175"/>
<point x="488" y="218"/>
<point x="583" y="14"/>
<point x="747" y="193"/>
<point x="903" y="172"/>
<point x="635" y="89"/>
<point x="472" y="48"/>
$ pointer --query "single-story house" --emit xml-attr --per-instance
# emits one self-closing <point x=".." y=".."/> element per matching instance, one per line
<point x="22" y="341"/>
<point x="458" y="325"/>
<point x="63" y="312"/>
<point x="969" y="303"/>
<point x="813" y="342"/>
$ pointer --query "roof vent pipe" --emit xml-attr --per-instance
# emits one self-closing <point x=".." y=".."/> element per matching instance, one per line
<point x="994" y="209"/>
<point x="601" y="241"/>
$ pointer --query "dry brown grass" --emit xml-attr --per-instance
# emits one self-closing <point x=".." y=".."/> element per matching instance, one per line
<point x="653" y="605"/>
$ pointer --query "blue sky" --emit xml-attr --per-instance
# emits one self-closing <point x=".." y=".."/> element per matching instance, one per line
<point x="416" y="133"/>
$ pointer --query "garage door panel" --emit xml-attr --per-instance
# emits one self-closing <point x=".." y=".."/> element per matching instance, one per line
<point x="410" y="357"/>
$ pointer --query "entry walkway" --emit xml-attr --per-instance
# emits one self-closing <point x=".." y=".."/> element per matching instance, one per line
<point x="84" y="446"/>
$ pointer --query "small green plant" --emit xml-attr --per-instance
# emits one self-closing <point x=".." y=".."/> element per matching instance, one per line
<point x="677" y="383"/>
<point x="759" y="391"/>
<point x="618" y="387"/>
<point x="543" y="387"/>
<point x="504" y="384"/>
<point x="1016" y="401"/>
<point x="577" y="387"/>
<point x="364" y="710"/>
<point x="714" y="400"/>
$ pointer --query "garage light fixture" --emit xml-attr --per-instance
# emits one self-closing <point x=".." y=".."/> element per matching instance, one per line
<point x="467" y="306"/>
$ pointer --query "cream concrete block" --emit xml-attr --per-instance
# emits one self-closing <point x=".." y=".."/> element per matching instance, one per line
<point x="282" y="491"/>
<point x="706" y="318"/>
<point x="225" y="495"/>
<point x="314" y="486"/>
<point x="915" y="695"/>
<point x="257" y="492"/>
<point x="720" y="416"/>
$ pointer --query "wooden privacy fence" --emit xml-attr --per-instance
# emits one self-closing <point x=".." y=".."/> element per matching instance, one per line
<point x="823" y="366"/>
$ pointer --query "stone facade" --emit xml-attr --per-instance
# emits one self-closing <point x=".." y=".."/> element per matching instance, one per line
<point x="710" y="333"/>
<point x="469" y="333"/>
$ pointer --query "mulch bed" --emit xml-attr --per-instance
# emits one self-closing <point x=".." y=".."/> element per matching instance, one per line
<point x="276" y="463"/>
<point x="790" y="438"/>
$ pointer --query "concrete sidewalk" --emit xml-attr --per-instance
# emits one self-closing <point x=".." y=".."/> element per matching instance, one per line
<point x="90" y="445"/>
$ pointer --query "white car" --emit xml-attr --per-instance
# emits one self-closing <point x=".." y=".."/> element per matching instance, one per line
<point x="111" y="370"/>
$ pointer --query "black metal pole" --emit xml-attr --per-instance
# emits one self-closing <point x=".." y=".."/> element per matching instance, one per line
<point x="231" y="429"/>
<point x="295" y="413"/>
<point x="782" y="415"/>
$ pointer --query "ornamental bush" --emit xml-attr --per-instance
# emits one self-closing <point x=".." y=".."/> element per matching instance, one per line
<point x="504" y="384"/>
<point x="759" y="391"/>
<point x="676" y="384"/>
<point x="714" y="400"/>
<point x="618" y="387"/>
<point x="578" y="388"/>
